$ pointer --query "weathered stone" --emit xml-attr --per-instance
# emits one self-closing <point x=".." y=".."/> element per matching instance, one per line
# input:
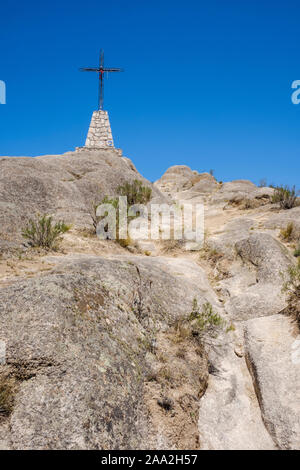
<point x="268" y="256"/>
<point x="61" y="185"/>
<point x="269" y="350"/>
<point x="76" y="342"/>
<point x="92" y="346"/>
<point x="229" y="415"/>
<point x="260" y="294"/>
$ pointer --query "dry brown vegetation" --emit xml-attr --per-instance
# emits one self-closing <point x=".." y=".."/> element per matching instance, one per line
<point x="290" y="233"/>
<point x="247" y="203"/>
<point x="8" y="386"/>
<point x="177" y="378"/>
<point x="286" y="197"/>
<point x="292" y="287"/>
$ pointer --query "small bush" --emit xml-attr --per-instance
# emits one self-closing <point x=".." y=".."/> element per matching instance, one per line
<point x="285" y="196"/>
<point x="183" y="331"/>
<point x="42" y="232"/>
<point x="113" y="201"/>
<point x="292" y="281"/>
<point x="125" y="243"/>
<point x="135" y="192"/>
<point x="206" y="318"/>
<point x="292" y="287"/>
<point x="297" y="251"/>
<point x="211" y="254"/>
<point x="169" y="246"/>
<point x="166" y="403"/>
<point x="287" y="232"/>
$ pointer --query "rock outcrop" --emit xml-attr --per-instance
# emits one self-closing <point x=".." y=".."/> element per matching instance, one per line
<point x="260" y="294"/>
<point x="76" y="342"/>
<point x="63" y="185"/>
<point x="181" y="178"/>
<point x="97" y="352"/>
<point x="236" y="191"/>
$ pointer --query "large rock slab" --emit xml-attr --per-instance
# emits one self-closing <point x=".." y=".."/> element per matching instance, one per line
<point x="238" y="190"/>
<point x="270" y="352"/>
<point x="76" y="341"/>
<point x="257" y="300"/>
<point x="261" y="294"/>
<point x="283" y="218"/>
<point x="269" y="257"/>
<point x="225" y="238"/>
<point x="229" y="414"/>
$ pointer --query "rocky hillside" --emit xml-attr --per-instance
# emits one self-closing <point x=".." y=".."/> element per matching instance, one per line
<point x="62" y="185"/>
<point x="103" y="348"/>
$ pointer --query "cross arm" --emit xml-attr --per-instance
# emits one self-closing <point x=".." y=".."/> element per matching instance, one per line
<point x="89" y="69"/>
<point x="112" y="70"/>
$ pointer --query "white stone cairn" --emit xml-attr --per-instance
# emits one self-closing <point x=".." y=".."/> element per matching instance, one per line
<point x="99" y="135"/>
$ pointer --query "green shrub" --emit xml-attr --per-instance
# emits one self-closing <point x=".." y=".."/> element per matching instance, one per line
<point x="201" y="325"/>
<point x="285" y="196"/>
<point x="93" y="213"/>
<point x="206" y="318"/>
<point x="94" y="206"/>
<point x="124" y="242"/>
<point x="135" y="192"/>
<point x="297" y="251"/>
<point x="43" y="232"/>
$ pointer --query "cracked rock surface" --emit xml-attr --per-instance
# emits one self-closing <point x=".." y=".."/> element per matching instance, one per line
<point x="99" y="351"/>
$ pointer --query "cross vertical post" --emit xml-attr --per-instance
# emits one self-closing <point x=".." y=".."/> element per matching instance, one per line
<point x="100" y="70"/>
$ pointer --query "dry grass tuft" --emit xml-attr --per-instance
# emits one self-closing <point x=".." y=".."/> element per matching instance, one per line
<point x="291" y="286"/>
<point x="8" y="387"/>
<point x="290" y="233"/>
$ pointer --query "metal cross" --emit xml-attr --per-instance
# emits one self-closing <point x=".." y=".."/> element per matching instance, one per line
<point x="101" y="69"/>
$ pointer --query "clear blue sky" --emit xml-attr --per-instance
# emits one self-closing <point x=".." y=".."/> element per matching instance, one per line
<point x="206" y="84"/>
